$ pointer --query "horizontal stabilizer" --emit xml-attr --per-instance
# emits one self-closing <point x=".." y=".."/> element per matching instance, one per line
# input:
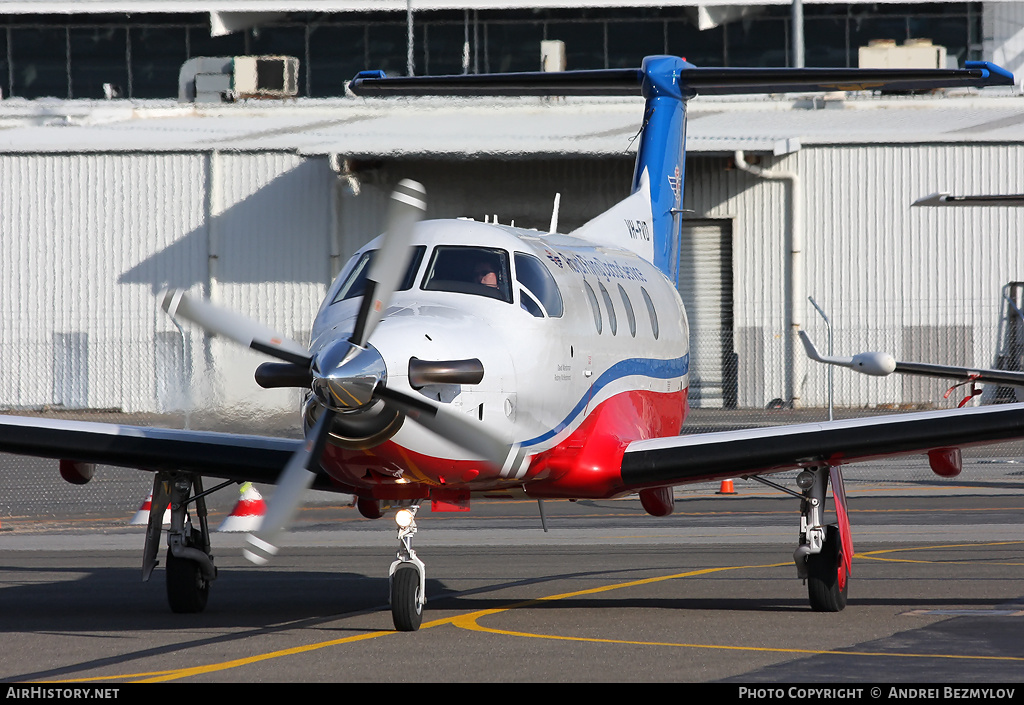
<point x="700" y="81"/>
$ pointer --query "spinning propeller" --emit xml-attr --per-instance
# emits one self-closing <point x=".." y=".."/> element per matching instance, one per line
<point x="344" y="375"/>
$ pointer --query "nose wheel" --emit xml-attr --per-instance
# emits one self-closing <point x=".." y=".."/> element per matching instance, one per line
<point x="407" y="576"/>
<point x="406" y="606"/>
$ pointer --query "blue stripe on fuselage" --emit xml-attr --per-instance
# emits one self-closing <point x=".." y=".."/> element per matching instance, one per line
<point x="634" y="367"/>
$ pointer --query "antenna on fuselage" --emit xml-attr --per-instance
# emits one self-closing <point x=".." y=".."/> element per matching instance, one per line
<point x="553" y="228"/>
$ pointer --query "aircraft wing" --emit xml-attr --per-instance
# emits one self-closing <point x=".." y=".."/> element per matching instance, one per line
<point x="224" y="455"/>
<point x="944" y="199"/>
<point x="880" y="364"/>
<point x="706" y="456"/>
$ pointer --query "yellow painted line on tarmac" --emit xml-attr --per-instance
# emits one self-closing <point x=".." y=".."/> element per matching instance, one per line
<point x="877" y="555"/>
<point x="176" y="674"/>
<point x="470" y="622"/>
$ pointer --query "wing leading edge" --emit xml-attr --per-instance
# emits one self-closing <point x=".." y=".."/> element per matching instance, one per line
<point x="224" y="455"/>
<point x="682" y="459"/>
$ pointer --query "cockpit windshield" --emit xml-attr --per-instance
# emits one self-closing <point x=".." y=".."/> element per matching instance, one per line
<point x="481" y="271"/>
<point x="355" y="282"/>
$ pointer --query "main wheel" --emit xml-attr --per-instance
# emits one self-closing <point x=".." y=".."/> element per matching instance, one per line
<point x="187" y="588"/>
<point x="406" y="610"/>
<point x="827" y="574"/>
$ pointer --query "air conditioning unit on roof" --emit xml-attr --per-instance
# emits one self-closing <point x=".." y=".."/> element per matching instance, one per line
<point x="266" y="76"/>
<point x="220" y="79"/>
<point x="913" y="54"/>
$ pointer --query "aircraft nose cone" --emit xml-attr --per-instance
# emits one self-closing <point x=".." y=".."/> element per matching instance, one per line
<point x="345" y="375"/>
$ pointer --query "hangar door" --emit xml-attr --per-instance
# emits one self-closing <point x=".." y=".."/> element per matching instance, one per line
<point x="705" y="285"/>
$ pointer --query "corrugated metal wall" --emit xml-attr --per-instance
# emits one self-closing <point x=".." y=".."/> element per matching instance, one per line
<point x="88" y="240"/>
<point x="884" y="272"/>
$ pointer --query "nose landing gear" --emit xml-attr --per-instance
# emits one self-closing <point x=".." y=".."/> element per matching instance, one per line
<point x="407" y="576"/>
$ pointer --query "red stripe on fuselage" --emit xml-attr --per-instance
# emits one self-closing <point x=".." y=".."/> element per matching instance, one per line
<point x="586" y="464"/>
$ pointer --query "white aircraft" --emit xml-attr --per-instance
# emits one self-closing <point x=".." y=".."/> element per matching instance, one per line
<point x="455" y="358"/>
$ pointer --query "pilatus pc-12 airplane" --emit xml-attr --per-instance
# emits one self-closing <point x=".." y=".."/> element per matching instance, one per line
<point x="454" y="358"/>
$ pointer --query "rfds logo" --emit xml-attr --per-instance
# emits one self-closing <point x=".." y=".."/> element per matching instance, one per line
<point x="675" y="182"/>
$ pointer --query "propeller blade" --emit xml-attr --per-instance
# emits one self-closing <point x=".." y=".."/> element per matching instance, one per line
<point x="474" y="437"/>
<point x="234" y="326"/>
<point x="294" y="481"/>
<point x="408" y="204"/>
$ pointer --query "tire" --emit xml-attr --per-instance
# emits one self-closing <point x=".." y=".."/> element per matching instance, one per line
<point x="827" y="574"/>
<point x="187" y="589"/>
<point x="406" y="610"/>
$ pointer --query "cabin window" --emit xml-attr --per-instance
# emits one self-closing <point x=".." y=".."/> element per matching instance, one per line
<point x="539" y="291"/>
<point x="481" y="271"/>
<point x="630" y="317"/>
<point x="355" y="282"/>
<point x="651" y="312"/>
<point x="612" y="322"/>
<point x="592" y="298"/>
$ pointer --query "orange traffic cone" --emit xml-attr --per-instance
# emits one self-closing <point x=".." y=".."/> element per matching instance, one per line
<point x="142" y="516"/>
<point x="248" y="512"/>
<point x="726" y="488"/>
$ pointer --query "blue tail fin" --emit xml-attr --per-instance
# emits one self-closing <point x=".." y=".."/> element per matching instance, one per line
<point x="662" y="154"/>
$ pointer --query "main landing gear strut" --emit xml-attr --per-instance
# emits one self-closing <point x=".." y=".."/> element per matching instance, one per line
<point x="190" y="568"/>
<point x="408" y="575"/>
<point x="822" y="557"/>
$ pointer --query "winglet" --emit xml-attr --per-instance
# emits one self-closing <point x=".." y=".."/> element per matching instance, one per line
<point x="876" y="364"/>
<point x="935" y="199"/>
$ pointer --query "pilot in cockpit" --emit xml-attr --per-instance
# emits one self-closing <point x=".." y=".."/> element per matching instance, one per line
<point x="484" y="273"/>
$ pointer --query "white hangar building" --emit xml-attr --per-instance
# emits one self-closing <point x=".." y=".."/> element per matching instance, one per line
<point x="258" y="205"/>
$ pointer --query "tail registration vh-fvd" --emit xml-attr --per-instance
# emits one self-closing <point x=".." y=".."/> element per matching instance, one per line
<point x="453" y="358"/>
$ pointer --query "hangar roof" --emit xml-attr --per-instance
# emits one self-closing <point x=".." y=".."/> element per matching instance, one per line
<point x="513" y="127"/>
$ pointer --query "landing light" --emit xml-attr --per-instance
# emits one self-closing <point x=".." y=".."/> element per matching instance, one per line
<point x="403" y="517"/>
<point x="805" y="480"/>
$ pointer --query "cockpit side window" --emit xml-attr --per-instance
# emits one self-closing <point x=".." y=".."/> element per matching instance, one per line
<point x="537" y="280"/>
<point x="355" y="282"/>
<point x="481" y="271"/>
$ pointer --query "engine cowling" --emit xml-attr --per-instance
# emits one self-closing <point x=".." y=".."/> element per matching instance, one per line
<point x="360" y="429"/>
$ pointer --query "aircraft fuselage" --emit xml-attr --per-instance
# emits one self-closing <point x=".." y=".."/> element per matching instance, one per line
<point x="564" y="379"/>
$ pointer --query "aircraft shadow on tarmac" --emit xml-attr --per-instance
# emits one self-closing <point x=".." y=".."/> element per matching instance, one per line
<point x="114" y="599"/>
